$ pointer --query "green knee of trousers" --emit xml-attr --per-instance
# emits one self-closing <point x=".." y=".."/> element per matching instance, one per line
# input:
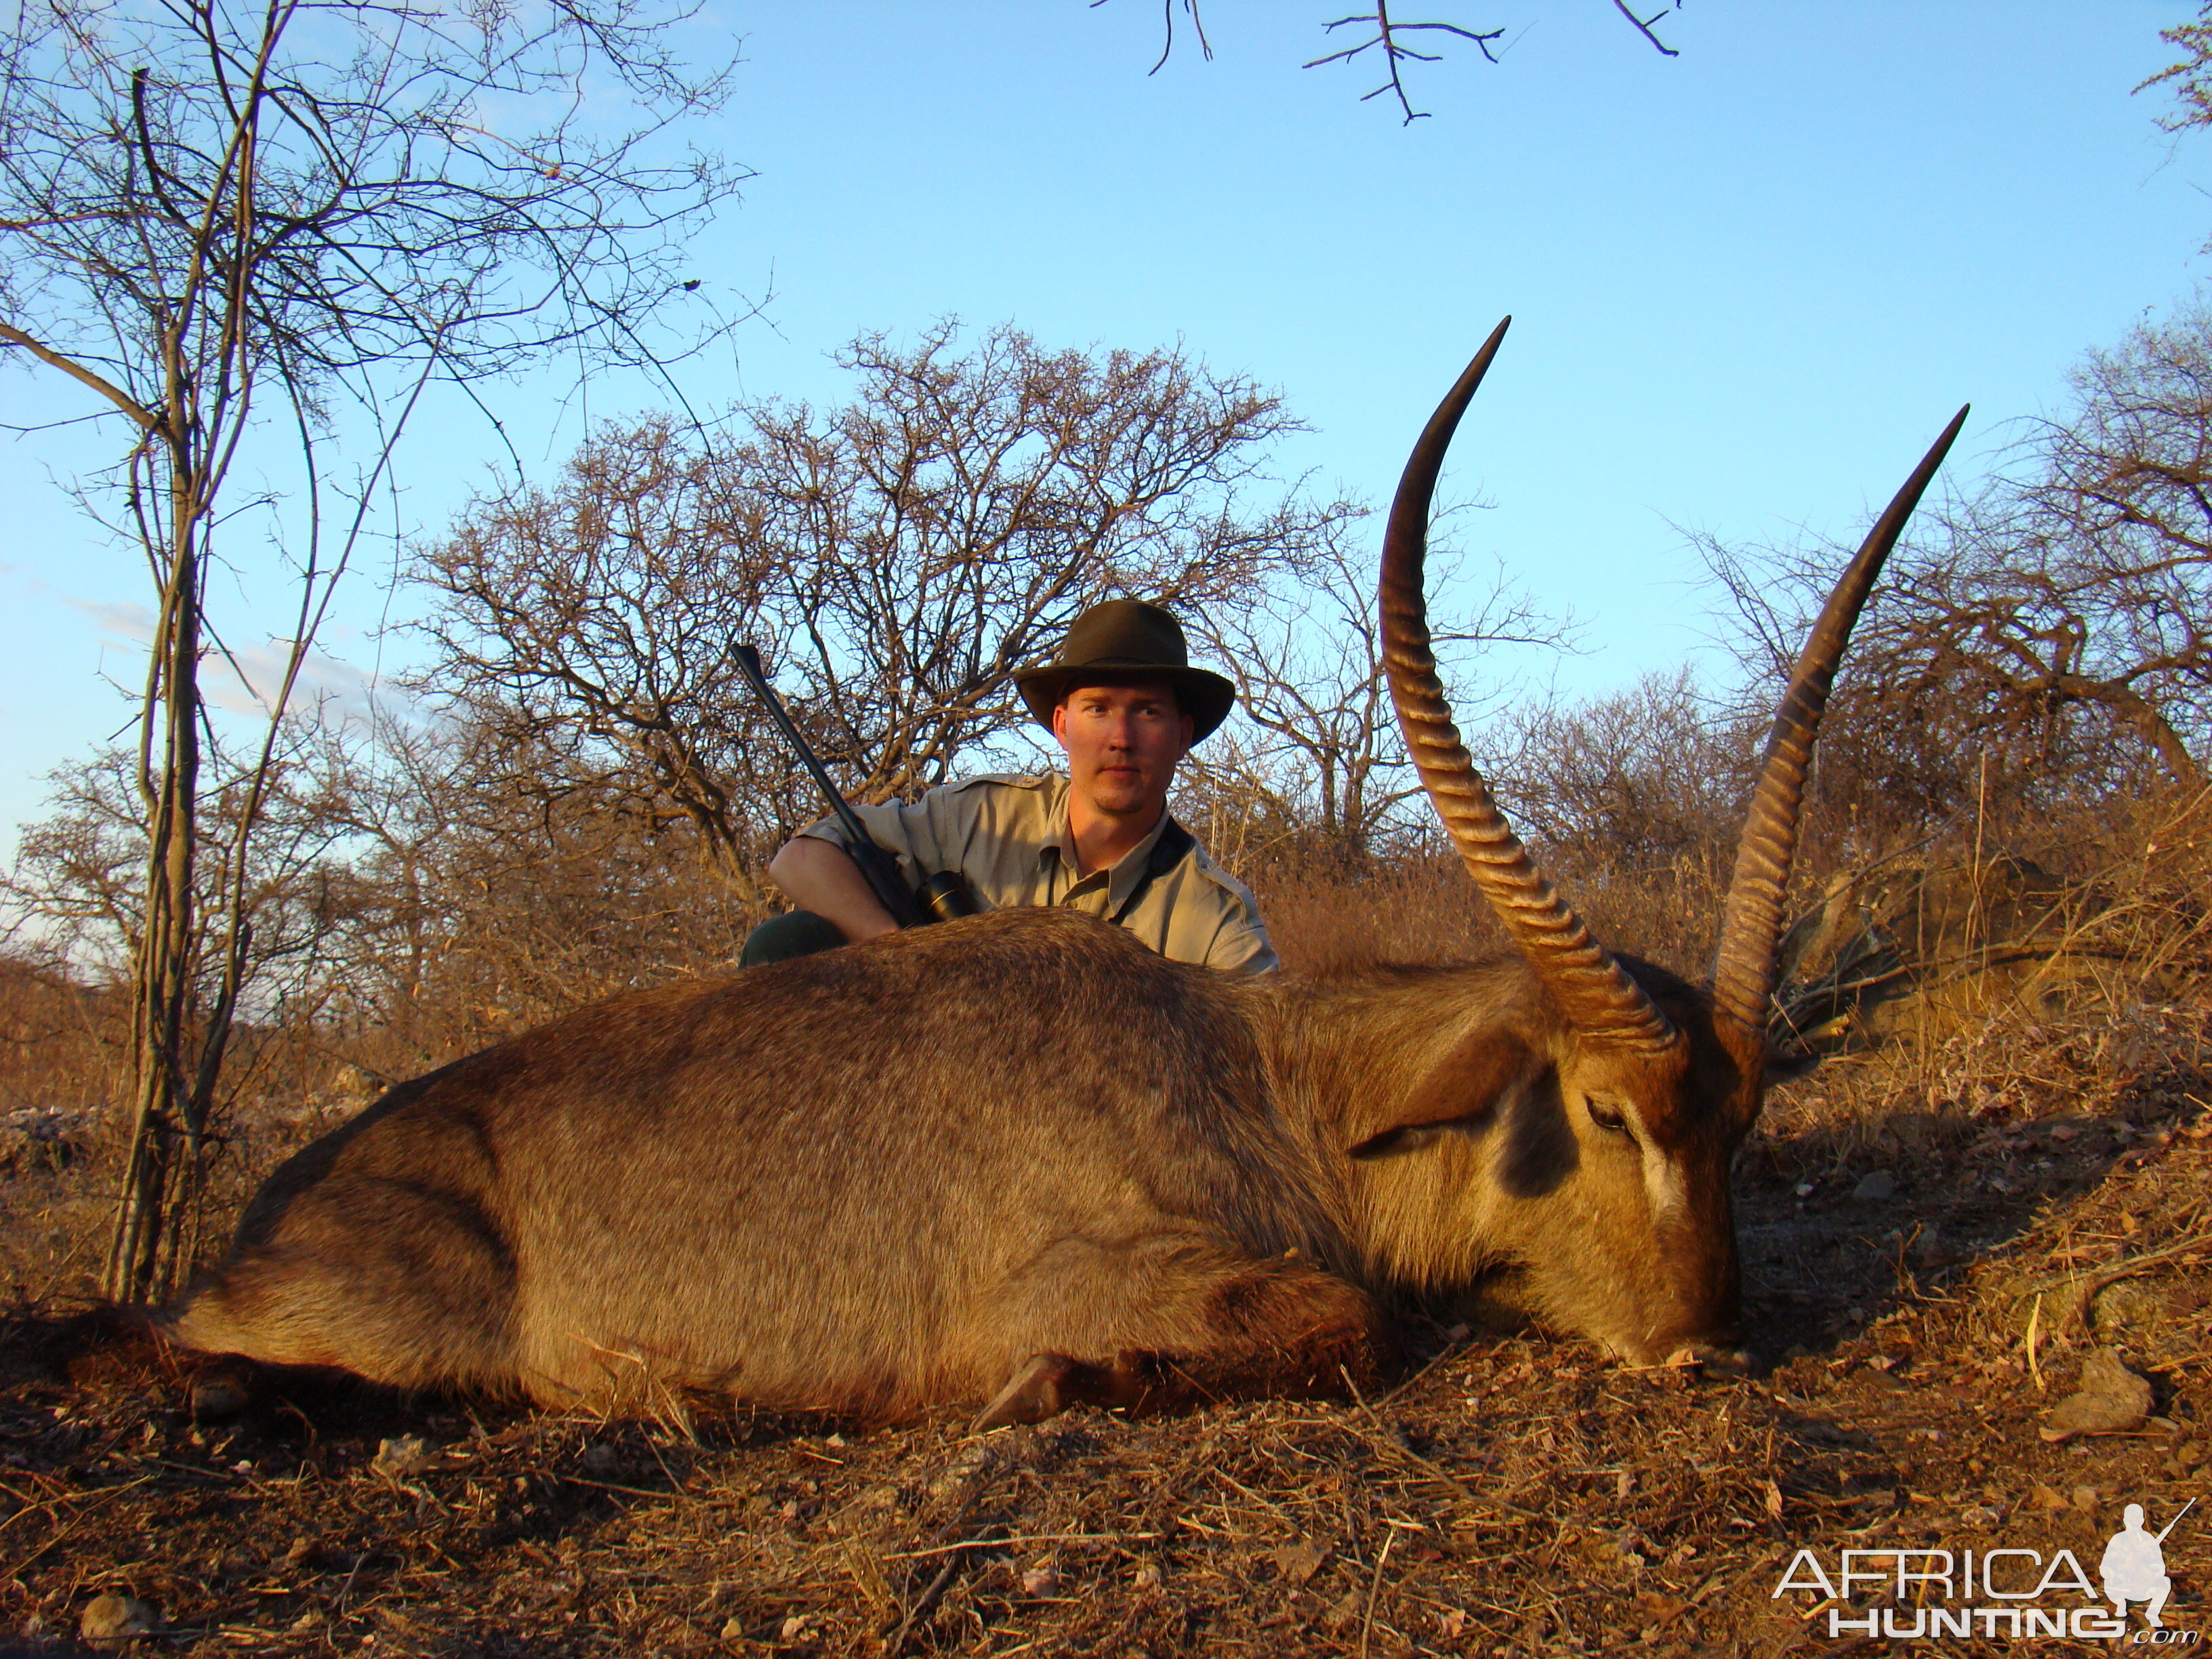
<point x="794" y="934"/>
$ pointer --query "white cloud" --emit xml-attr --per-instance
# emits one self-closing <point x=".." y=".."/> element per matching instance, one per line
<point x="247" y="680"/>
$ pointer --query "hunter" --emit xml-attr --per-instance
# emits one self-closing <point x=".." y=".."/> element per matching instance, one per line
<point x="1126" y="706"/>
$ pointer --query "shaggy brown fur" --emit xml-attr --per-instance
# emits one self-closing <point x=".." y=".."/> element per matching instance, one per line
<point x="1016" y="1158"/>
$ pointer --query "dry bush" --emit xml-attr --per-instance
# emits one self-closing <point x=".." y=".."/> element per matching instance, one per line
<point x="1414" y="909"/>
<point x="60" y="1041"/>
<point x="2060" y="971"/>
<point x="2044" y="966"/>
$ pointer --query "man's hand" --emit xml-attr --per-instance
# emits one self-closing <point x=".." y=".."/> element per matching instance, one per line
<point x="816" y="875"/>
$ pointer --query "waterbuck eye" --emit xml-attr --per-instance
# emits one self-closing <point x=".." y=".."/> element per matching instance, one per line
<point x="1609" y="1118"/>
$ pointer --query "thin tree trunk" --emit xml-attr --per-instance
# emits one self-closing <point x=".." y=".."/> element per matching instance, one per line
<point x="140" y="1268"/>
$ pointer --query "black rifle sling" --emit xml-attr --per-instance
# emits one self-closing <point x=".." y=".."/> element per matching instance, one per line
<point x="1167" y="852"/>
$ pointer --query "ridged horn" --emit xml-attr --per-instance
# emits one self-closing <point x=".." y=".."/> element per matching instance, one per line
<point x="1597" y="997"/>
<point x="1751" y="921"/>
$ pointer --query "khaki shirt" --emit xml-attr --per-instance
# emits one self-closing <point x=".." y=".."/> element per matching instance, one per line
<point x="1009" y="837"/>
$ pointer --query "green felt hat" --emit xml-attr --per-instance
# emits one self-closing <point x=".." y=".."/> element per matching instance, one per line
<point x="1121" y="640"/>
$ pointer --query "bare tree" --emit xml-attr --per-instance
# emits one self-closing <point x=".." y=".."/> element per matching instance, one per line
<point x="225" y="223"/>
<point x="80" y="879"/>
<point x="468" y="909"/>
<point x="2085" y="586"/>
<point x="1635" y="780"/>
<point x="1315" y="733"/>
<point x="896" y="561"/>
<point x="2050" y="635"/>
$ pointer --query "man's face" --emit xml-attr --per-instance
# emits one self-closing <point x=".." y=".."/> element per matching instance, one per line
<point x="1122" y="744"/>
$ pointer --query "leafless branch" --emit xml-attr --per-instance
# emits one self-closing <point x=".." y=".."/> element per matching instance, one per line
<point x="1167" y="46"/>
<point x="1386" y="36"/>
<point x="1643" y="25"/>
<point x="1389" y="36"/>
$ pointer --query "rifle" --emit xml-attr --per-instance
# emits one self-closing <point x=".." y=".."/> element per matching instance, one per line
<point x="944" y="894"/>
<point x="2176" y="1522"/>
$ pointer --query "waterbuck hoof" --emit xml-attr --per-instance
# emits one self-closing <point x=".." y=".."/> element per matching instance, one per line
<point x="1711" y="1359"/>
<point x="1039" y="1388"/>
<point x="222" y="1392"/>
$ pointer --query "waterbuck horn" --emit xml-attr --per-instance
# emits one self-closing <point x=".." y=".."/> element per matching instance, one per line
<point x="1598" y="998"/>
<point x="1751" y="921"/>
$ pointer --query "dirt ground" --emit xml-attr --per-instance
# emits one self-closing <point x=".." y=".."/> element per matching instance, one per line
<point x="1925" y="1291"/>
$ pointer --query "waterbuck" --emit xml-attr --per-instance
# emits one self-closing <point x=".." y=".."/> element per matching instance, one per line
<point x="1020" y="1160"/>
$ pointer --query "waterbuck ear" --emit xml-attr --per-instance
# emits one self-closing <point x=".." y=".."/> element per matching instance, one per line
<point x="1464" y="1091"/>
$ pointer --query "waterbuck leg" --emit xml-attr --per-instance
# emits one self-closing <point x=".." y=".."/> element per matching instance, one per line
<point x="414" y="1293"/>
<point x="1224" y="1330"/>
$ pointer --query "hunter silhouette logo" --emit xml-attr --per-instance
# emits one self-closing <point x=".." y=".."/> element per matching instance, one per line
<point x="2134" y="1566"/>
<point x="2005" y="1592"/>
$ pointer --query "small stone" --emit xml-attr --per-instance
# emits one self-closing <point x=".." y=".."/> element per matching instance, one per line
<point x="114" y="1618"/>
<point x="733" y="1629"/>
<point x="1299" y="1562"/>
<point x="601" y="1459"/>
<point x="953" y="1479"/>
<point x="398" y="1458"/>
<point x="1875" y="1187"/>
<point x="1040" y="1581"/>
<point x="2111" y="1400"/>
<point x="795" y="1627"/>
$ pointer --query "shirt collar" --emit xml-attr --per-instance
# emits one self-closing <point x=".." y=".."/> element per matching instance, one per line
<point x="1128" y="870"/>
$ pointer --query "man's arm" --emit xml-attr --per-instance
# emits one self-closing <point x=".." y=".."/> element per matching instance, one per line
<point x="816" y="875"/>
<point x="1243" y="949"/>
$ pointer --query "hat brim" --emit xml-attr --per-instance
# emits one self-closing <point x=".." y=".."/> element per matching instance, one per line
<point x="1206" y="696"/>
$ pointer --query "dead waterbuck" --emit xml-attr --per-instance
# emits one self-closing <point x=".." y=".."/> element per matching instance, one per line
<point x="1019" y="1158"/>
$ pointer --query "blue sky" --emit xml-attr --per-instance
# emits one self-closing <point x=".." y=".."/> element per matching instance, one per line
<point x="1750" y="283"/>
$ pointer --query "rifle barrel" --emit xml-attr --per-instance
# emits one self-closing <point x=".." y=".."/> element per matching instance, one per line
<point x="749" y="662"/>
<point x="878" y="868"/>
<point x="2176" y="1522"/>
